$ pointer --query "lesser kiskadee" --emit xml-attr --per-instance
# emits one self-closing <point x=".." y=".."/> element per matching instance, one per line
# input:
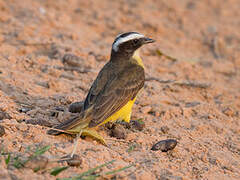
<point x="114" y="91"/>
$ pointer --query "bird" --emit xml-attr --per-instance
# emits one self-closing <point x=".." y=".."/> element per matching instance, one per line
<point x="114" y="91"/>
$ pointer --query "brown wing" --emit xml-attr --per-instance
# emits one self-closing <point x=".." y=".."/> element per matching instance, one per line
<point x="84" y="117"/>
<point x="108" y="94"/>
<point x="118" y="90"/>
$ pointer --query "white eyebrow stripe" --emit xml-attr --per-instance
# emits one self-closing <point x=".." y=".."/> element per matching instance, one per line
<point x="125" y="39"/>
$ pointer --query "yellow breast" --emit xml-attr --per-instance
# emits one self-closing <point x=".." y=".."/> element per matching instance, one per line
<point x="136" y="56"/>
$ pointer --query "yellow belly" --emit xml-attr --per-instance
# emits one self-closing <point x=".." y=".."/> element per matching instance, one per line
<point x="123" y="114"/>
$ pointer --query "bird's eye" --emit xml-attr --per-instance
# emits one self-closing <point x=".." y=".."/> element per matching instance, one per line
<point x="135" y="41"/>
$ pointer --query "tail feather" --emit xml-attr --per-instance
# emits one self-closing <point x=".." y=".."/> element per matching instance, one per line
<point x="76" y="121"/>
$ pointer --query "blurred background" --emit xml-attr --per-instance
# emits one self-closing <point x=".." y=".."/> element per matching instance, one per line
<point x="185" y="28"/>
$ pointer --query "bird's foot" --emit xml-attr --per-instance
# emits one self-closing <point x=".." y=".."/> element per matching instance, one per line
<point x="93" y="133"/>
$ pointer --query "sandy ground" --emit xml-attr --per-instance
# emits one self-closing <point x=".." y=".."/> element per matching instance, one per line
<point x="192" y="93"/>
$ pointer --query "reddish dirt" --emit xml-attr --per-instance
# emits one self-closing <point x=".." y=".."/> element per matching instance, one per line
<point x="192" y="92"/>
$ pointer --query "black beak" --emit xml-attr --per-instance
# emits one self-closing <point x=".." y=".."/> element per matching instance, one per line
<point x="148" y="40"/>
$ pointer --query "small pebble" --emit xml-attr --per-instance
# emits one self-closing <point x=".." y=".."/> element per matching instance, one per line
<point x="43" y="84"/>
<point x="59" y="109"/>
<point x="76" y="160"/>
<point x="118" y="131"/>
<point x="13" y="176"/>
<point x="213" y="160"/>
<point x="42" y="10"/>
<point x="72" y="60"/>
<point x="4" y="115"/>
<point x="138" y="125"/>
<point x="228" y="111"/>
<point x="146" y="109"/>
<point x="2" y="131"/>
<point x="164" y="129"/>
<point x="192" y="104"/>
<point x="76" y="107"/>
<point x="36" y="163"/>
<point x="164" y="145"/>
<point x="22" y="127"/>
<point x="24" y="110"/>
<point x="54" y="113"/>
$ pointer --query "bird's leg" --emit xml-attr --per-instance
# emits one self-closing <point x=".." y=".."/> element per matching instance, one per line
<point x="76" y="143"/>
<point x="93" y="133"/>
<point x="87" y="132"/>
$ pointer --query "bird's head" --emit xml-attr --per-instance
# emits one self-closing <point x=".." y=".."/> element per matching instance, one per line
<point x="128" y="43"/>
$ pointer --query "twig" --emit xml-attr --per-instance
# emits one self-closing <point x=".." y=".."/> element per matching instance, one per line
<point x="72" y="69"/>
<point x="32" y="44"/>
<point x="159" y="80"/>
<point x="67" y="76"/>
<point x="59" y="160"/>
<point x="116" y="140"/>
<point x="160" y="53"/>
<point x="181" y="83"/>
<point x="193" y="84"/>
<point x="35" y="126"/>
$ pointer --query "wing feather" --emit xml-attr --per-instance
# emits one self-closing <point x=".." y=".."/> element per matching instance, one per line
<point x="116" y="93"/>
<point x="108" y="94"/>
